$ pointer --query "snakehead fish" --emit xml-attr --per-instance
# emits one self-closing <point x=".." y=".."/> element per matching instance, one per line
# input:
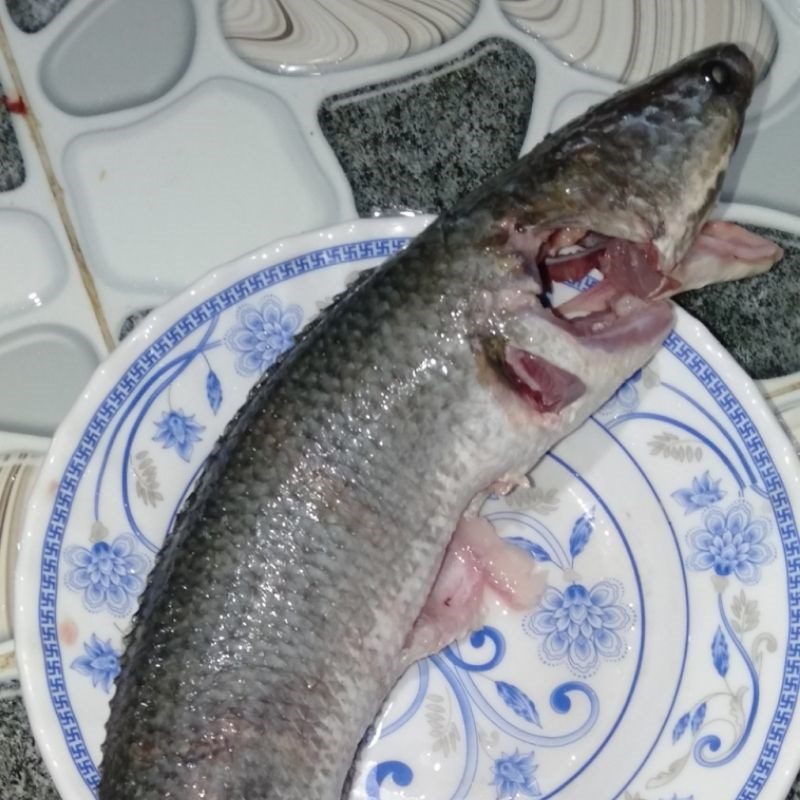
<point x="316" y="558"/>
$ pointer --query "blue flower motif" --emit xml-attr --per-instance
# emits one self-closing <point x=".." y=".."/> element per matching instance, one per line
<point x="625" y="399"/>
<point x="693" y="720"/>
<point x="579" y="625"/>
<point x="106" y="574"/>
<point x="627" y="396"/>
<point x="514" y="776"/>
<point x="213" y="390"/>
<point x="698" y="718"/>
<point x="101" y="662"/>
<point x="518" y="702"/>
<point x="731" y="543"/>
<point x="680" y="728"/>
<point x="704" y="493"/>
<point x="720" y="654"/>
<point x="178" y="430"/>
<point x="581" y="533"/>
<point x="262" y="335"/>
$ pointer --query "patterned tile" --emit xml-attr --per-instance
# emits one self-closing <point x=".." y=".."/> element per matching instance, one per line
<point x="33" y="15"/>
<point x="22" y="773"/>
<point x="423" y="141"/>
<point x="313" y="36"/>
<point x="12" y="167"/>
<point x="757" y="319"/>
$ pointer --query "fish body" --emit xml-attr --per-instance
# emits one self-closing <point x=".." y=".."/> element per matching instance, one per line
<point x="283" y="607"/>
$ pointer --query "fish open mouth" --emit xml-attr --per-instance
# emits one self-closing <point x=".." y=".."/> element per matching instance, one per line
<point x="632" y="278"/>
<point x="625" y="306"/>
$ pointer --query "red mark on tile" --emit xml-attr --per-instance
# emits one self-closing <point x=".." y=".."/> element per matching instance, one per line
<point x="68" y="632"/>
<point x="15" y="105"/>
<point x="52" y="488"/>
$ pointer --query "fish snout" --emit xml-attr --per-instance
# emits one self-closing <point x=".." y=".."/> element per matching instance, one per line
<point x="729" y="74"/>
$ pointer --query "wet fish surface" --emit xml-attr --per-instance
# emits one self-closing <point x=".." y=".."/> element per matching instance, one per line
<point x="316" y="558"/>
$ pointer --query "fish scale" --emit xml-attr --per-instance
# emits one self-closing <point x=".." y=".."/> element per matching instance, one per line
<point x="282" y="608"/>
<point x="328" y="593"/>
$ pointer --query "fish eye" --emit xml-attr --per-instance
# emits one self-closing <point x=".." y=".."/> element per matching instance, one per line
<point x="719" y="74"/>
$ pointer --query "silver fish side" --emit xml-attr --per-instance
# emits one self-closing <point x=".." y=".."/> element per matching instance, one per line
<point x="281" y="611"/>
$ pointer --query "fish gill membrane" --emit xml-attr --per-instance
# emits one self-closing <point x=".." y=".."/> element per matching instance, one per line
<point x="316" y="558"/>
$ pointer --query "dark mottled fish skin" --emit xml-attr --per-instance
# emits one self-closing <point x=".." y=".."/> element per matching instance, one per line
<point x="274" y="623"/>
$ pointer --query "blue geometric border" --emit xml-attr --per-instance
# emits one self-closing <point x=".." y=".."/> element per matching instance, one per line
<point x="349" y="253"/>
<point x="787" y="527"/>
<point x="111" y="404"/>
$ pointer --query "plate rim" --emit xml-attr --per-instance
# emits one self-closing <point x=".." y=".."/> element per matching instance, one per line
<point x="41" y="713"/>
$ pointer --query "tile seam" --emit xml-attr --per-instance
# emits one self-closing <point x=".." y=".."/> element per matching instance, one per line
<point x="57" y="191"/>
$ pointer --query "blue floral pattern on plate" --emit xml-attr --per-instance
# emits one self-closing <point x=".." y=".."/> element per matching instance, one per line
<point x="262" y="334"/>
<point x="731" y="542"/>
<point x="100" y="663"/>
<point x="515" y="776"/>
<point x="108" y="576"/>
<point x="703" y="492"/>
<point x="581" y="625"/>
<point x="627" y="396"/>
<point x="179" y="431"/>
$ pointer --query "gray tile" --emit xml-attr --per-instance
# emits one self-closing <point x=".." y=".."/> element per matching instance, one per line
<point x="423" y="141"/>
<point x="22" y="773"/>
<point x="758" y="319"/>
<point x="33" y="15"/>
<point x="131" y="321"/>
<point x="12" y="167"/>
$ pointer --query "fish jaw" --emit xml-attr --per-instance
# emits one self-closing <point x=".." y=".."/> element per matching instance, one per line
<point x="633" y="272"/>
<point x="626" y="190"/>
<point x="645" y="166"/>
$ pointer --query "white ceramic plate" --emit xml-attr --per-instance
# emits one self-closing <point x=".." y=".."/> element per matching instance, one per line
<point x="662" y="664"/>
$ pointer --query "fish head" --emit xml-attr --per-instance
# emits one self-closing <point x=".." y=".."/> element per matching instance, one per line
<point x="647" y="165"/>
<point x="616" y="202"/>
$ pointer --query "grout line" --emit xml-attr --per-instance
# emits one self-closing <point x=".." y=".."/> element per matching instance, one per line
<point x="58" y="193"/>
<point x="789" y="388"/>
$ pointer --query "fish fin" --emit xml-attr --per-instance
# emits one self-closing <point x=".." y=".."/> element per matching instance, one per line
<point x="502" y="487"/>
<point x="509" y="483"/>
<point x="479" y="568"/>
<point x="723" y="251"/>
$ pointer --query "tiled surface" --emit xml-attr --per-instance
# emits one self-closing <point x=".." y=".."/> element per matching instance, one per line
<point x="141" y="176"/>
<point x="628" y="41"/>
<point x="17" y="474"/>
<point x="423" y="141"/>
<point x="32" y="15"/>
<point x="96" y="66"/>
<point x="325" y="35"/>
<point x="44" y="308"/>
<point x="22" y="774"/>
<point x="12" y="167"/>
<point x="758" y="320"/>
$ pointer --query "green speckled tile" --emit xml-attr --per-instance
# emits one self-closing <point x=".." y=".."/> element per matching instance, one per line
<point x="22" y="774"/>
<point x="12" y="167"/>
<point x="33" y="15"/>
<point x="758" y="319"/>
<point x="425" y="140"/>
